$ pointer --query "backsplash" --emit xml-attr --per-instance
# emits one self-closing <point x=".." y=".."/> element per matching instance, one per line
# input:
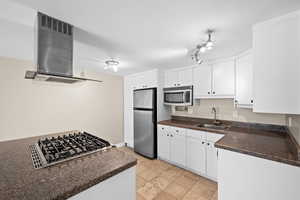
<point x="227" y="111"/>
<point x="295" y="127"/>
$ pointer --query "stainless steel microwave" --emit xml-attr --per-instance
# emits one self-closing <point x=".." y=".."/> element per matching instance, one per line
<point x="179" y="96"/>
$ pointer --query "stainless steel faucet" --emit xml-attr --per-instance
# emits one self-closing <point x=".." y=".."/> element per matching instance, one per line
<point x="214" y="110"/>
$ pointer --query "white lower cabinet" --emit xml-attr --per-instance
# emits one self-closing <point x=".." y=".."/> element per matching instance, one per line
<point x="163" y="142"/>
<point x="177" y="148"/>
<point x="196" y="161"/>
<point x="211" y="161"/>
<point x="191" y="149"/>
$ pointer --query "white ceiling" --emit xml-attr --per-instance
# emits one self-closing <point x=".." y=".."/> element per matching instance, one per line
<point x="144" y="34"/>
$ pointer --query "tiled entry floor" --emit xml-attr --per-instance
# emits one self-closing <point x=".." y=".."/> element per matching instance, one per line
<point x="159" y="180"/>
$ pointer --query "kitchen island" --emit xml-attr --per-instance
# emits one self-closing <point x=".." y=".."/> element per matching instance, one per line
<point x="109" y="175"/>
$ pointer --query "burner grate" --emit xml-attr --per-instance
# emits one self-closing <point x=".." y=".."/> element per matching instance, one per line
<point x="52" y="150"/>
<point x="36" y="160"/>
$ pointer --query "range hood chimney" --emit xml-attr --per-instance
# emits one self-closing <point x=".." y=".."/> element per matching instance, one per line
<point x="54" y="52"/>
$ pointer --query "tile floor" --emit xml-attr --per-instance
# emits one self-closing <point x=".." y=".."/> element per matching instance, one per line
<point x="158" y="180"/>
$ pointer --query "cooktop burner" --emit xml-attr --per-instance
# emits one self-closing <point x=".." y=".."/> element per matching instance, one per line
<point x="49" y="151"/>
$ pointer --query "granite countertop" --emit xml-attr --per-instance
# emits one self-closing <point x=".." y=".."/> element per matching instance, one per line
<point x="19" y="180"/>
<point x="270" y="142"/>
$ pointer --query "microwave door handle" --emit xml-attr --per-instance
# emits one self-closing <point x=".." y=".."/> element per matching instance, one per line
<point x="184" y="97"/>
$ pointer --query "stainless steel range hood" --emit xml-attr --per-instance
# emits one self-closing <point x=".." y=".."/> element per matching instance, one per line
<point x="54" y="52"/>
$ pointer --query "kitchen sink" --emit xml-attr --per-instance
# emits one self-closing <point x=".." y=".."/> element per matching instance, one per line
<point x="214" y="126"/>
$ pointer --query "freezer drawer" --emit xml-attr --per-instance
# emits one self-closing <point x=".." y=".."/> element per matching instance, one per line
<point x="143" y="99"/>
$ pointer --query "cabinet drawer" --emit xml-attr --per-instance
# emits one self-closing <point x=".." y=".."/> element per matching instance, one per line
<point x="163" y="127"/>
<point x="178" y="131"/>
<point x="201" y="135"/>
<point x="213" y="137"/>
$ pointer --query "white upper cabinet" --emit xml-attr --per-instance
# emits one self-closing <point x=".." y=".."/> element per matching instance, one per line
<point x="276" y="65"/>
<point x="146" y="79"/>
<point x="223" y="79"/>
<point x="215" y="80"/>
<point x="179" y="77"/>
<point x="150" y="79"/>
<point x="244" y="80"/>
<point x="171" y="78"/>
<point x="185" y="77"/>
<point x="202" y="77"/>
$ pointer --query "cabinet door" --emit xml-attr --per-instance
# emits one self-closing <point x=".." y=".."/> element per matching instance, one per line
<point x="202" y="81"/>
<point x="223" y="79"/>
<point x="185" y="77"/>
<point x="196" y="155"/>
<point x="171" y="78"/>
<point x="163" y="142"/>
<point x="150" y="79"/>
<point x="135" y="82"/>
<point x="211" y="161"/>
<point x="128" y="110"/>
<point x="178" y="148"/>
<point x="244" y="74"/>
<point x="276" y="61"/>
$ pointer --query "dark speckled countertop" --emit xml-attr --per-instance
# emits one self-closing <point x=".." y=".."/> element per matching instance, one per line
<point x="270" y="142"/>
<point x="19" y="180"/>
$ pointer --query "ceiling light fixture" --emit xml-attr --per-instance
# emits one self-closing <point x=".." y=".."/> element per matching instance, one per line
<point x="202" y="48"/>
<point x="111" y="64"/>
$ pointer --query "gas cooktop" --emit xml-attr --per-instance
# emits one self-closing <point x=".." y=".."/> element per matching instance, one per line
<point x="52" y="150"/>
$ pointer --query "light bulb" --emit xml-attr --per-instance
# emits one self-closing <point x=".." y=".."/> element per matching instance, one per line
<point x="115" y="68"/>
<point x="209" y="44"/>
<point x="209" y="47"/>
<point x="202" y="49"/>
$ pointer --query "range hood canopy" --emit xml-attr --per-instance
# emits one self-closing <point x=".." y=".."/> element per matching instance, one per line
<point x="54" y="52"/>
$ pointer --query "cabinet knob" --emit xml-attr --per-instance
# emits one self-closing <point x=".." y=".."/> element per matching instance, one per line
<point x="251" y="100"/>
<point x="207" y="144"/>
<point x="235" y="101"/>
<point x="214" y="92"/>
<point x="171" y="135"/>
<point x="177" y="131"/>
<point x="208" y="92"/>
<point x="167" y="134"/>
<point x="203" y="142"/>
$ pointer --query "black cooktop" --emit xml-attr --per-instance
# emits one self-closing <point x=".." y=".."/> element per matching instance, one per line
<point x="56" y="149"/>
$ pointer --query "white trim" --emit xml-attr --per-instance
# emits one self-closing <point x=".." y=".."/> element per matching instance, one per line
<point x="188" y="169"/>
<point x="122" y="144"/>
<point x="215" y="97"/>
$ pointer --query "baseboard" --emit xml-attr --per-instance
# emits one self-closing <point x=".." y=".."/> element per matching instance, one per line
<point x="122" y="144"/>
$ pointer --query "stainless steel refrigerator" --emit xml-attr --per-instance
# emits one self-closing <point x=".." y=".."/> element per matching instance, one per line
<point x="145" y="119"/>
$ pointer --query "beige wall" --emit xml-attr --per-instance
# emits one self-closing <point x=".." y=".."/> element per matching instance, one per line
<point x="30" y="108"/>
<point x="227" y="111"/>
